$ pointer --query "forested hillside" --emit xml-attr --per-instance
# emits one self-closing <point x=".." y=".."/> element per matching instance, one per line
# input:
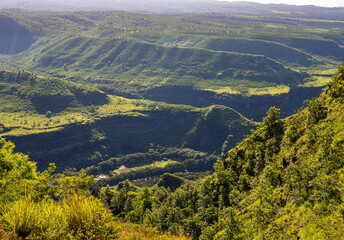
<point x="285" y="181"/>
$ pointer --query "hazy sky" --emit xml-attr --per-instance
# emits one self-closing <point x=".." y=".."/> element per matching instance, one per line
<point x="324" y="3"/>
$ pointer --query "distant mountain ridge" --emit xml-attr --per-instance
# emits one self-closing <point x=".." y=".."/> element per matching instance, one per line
<point x="180" y="7"/>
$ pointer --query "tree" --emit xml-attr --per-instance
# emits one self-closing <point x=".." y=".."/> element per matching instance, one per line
<point x="273" y="115"/>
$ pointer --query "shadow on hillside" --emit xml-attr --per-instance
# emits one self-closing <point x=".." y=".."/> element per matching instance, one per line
<point x="14" y="38"/>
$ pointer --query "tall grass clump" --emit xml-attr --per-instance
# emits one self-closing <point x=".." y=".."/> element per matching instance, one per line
<point x="72" y="218"/>
<point x="21" y="218"/>
<point x="86" y="218"/>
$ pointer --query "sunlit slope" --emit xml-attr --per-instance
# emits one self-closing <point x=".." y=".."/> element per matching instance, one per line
<point x="140" y="66"/>
<point x="83" y="144"/>
<point x="114" y="62"/>
<point x="311" y="45"/>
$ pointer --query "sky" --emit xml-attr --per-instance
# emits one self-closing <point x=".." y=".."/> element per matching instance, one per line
<point x="323" y="3"/>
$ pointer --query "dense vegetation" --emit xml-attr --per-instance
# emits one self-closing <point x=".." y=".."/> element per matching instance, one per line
<point x="285" y="181"/>
<point x="37" y="205"/>
<point x="146" y="165"/>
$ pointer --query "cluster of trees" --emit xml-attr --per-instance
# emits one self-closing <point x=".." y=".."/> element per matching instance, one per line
<point x="47" y="94"/>
<point x="154" y="154"/>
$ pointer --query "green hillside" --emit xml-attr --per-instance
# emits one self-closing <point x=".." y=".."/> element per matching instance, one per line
<point x="310" y="36"/>
<point x="89" y="114"/>
<point x="83" y="143"/>
<point x="76" y="126"/>
<point x="284" y="181"/>
<point x="111" y="51"/>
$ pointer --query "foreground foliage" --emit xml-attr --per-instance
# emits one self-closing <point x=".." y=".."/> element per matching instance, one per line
<point x="38" y="205"/>
<point x="35" y="205"/>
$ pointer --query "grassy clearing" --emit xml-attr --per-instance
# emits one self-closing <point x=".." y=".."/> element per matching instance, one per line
<point x="329" y="71"/>
<point x="319" y="82"/>
<point x="122" y="106"/>
<point x="268" y="90"/>
<point x="227" y="90"/>
<point x="252" y="91"/>
<point x="160" y="164"/>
